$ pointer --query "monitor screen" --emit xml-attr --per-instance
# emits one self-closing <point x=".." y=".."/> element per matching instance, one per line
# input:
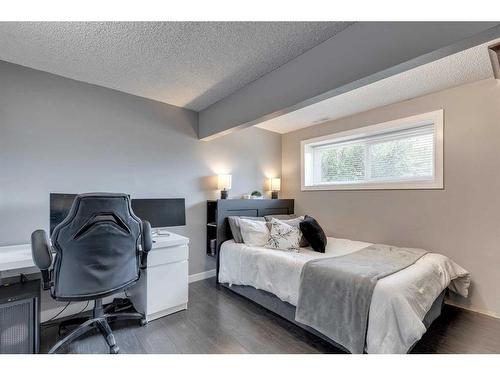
<point x="60" y="204"/>
<point x="168" y="212"/>
<point x="161" y="213"/>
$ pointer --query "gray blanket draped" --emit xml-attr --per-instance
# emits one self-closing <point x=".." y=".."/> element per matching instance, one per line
<point x="335" y="293"/>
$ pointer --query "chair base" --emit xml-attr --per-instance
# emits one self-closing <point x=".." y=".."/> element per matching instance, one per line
<point x="99" y="320"/>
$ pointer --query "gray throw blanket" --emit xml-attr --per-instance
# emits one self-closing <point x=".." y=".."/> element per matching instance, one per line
<point x="335" y="293"/>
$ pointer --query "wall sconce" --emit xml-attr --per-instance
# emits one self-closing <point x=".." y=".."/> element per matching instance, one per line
<point x="275" y="187"/>
<point x="224" y="184"/>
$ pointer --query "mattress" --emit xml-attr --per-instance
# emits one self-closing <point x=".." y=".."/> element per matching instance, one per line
<point x="399" y="302"/>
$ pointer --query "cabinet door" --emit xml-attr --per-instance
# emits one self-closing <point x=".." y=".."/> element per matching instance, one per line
<point x="167" y="286"/>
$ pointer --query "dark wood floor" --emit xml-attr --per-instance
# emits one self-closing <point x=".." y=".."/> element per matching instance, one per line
<point x="219" y="321"/>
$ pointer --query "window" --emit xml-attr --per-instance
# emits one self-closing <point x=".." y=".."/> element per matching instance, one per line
<point x="401" y="154"/>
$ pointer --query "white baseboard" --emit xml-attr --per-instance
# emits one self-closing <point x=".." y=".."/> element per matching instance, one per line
<point x="201" y="276"/>
<point x="473" y="309"/>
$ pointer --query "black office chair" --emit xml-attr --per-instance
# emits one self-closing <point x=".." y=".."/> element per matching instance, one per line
<point x="101" y="247"/>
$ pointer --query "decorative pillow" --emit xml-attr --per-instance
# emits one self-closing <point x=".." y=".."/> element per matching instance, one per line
<point x="283" y="236"/>
<point x="280" y="217"/>
<point x="234" y="224"/>
<point x="313" y="232"/>
<point x="295" y="222"/>
<point x="254" y="233"/>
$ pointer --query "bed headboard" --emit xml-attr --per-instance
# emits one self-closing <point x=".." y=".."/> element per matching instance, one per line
<point x="246" y="207"/>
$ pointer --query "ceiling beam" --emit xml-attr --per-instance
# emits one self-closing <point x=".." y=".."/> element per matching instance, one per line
<point x="362" y="54"/>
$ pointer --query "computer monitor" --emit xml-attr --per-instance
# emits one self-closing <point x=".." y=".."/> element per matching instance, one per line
<point x="168" y="212"/>
<point x="60" y="204"/>
<point x="161" y="212"/>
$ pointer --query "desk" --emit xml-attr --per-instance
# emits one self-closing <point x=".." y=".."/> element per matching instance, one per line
<point x="162" y="288"/>
<point x="15" y="257"/>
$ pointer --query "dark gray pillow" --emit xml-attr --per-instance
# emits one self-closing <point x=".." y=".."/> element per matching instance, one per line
<point x="294" y="222"/>
<point x="311" y="229"/>
<point x="234" y="224"/>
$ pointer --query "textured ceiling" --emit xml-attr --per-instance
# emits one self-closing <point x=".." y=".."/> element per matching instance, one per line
<point x="461" y="68"/>
<point x="188" y="64"/>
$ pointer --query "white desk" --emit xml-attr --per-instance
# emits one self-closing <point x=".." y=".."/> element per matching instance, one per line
<point x="15" y="257"/>
<point x="162" y="288"/>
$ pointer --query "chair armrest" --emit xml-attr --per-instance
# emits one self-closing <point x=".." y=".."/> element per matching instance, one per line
<point x="146" y="244"/>
<point x="42" y="255"/>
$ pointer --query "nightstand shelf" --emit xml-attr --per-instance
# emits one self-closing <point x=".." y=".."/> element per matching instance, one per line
<point x="211" y="228"/>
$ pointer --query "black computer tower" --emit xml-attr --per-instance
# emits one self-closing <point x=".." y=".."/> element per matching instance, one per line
<point x="20" y="317"/>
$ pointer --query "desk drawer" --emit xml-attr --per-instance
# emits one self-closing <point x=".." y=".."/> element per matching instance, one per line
<point x="166" y="255"/>
<point x="167" y="286"/>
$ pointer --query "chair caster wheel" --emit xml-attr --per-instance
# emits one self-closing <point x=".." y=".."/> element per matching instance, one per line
<point x="114" y="349"/>
<point x="143" y="322"/>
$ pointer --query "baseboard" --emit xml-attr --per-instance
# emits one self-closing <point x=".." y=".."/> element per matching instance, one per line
<point x="201" y="276"/>
<point x="468" y="308"/>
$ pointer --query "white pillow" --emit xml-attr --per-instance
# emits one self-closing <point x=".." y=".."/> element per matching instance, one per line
<point x="254" y="233"/>
<point x="283" y="236"/>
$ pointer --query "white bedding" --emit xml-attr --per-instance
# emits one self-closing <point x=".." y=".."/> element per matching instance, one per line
<point x="399" y="302"/>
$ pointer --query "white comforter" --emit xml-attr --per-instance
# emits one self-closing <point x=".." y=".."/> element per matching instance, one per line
<point x="399" y="302"/>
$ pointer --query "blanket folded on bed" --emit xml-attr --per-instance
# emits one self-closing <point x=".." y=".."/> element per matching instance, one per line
<point x="335" y="293"/>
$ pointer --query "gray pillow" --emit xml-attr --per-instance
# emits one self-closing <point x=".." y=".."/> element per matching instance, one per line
<point x="295" y="222"/>
<point x="234" y="224"/>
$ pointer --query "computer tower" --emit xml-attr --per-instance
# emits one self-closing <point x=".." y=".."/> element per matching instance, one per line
<point x="20" y="317"/>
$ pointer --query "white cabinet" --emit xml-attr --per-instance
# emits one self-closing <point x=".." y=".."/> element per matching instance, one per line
<point x="163" y="286"/>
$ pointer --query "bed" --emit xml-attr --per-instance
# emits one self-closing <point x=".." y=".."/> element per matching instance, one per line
<point x="402" y="307"/>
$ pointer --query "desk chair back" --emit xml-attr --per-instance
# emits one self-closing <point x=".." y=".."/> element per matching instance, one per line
<point x="97" y="248"/>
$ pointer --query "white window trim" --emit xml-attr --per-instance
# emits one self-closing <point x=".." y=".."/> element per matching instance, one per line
<point x="435" y="117"/>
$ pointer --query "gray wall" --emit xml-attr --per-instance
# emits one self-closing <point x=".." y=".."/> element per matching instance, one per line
<point x="462" y="221"/>
<point x="60" y="135"/>
<point x="361" y="54"/>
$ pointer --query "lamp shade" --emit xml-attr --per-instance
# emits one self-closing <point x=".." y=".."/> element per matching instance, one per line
<point x="275" y="184"/>
<point x="224" y="182"/>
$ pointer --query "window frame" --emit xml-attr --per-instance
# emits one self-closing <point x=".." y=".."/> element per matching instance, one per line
<point x="437" y="182"/>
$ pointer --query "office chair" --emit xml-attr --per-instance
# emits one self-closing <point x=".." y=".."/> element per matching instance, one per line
<point x="100" y="249"/>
